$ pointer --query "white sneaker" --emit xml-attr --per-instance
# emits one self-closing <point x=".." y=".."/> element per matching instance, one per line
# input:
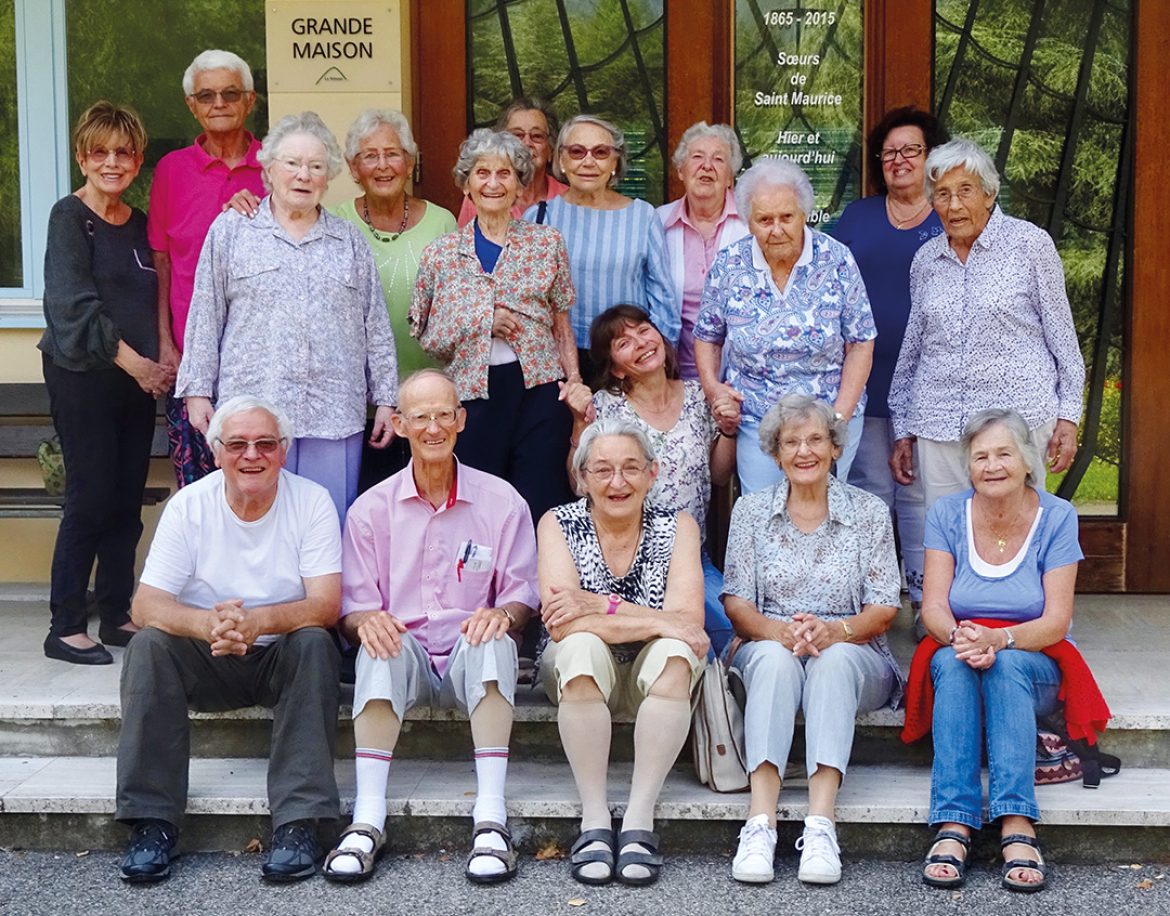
<point x="820" y="856"/>
<point x="756" y="853"/>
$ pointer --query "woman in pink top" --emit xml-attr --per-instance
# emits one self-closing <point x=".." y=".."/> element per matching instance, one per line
<point x="533" y="123"/>
<point x="190" y="188"/>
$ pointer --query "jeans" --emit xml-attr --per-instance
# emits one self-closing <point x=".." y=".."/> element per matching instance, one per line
<point x="757" y="470"/>
<point x="1002" y="702"/>
<point x="715" y="620"/>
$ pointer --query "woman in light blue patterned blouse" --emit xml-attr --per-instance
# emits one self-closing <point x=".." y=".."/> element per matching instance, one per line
<point x="288" y="306"/>
<point x="811" y="585"/>
<point x="789" y="307"/>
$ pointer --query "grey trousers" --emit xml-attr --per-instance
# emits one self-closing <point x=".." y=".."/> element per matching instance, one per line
<point x="164" y="676"/>
<point x="831" y="689"/>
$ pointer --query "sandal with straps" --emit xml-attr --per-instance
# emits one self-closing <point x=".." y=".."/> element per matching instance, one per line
<point x="651" y="861"/>
<point x="366" y="860"/>
<point x="959" y="865"/>
<point x="1037" y="865"/>
<point x="578" y="858"/>
<point x="507" y="856"/>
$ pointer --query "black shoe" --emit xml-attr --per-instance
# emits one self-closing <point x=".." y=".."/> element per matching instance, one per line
<point x="114" y="636"/>
<point x="148" y="855"/>
<point x="294" y="854"/>
<point x="56" y="647"/>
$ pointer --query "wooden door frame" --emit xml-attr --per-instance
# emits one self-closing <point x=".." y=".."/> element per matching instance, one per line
<point x="1129" y="553"/>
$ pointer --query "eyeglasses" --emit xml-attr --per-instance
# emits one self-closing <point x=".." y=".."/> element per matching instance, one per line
<point x="265" y="446"/>
<point x="445" y="418"/>
<point x="294" y="166"/>
<point x="965" y="193"/>
<point x="207" y="96"/>
<point x="909" y="151"/>
<point x="604" y="473"/>
<point x="372" y="159"/>
<point x="536" y="136"/>
<point x="122" y="155"/>
<point x="600" y="153"/>
<point x="816" y="442"/>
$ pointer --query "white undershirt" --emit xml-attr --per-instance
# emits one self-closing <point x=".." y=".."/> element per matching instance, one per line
<point x="998" y="570"/>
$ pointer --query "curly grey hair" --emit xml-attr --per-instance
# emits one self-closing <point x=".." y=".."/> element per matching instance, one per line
<point x="609" y="426"/>
<point x="961" y="153"/>
<point x="800" y="408"/>
<point x="242" y="403"/>
<point x="308" y="123"/>
<point x="617" y="140"/>
<point x="1014" y="424"/>
<point x="701" y="131"/>
<point x="369" y="121"/>
<point x="485" y="142"/>
<point x="774" y="172"/>
<point x="215" y="59"/>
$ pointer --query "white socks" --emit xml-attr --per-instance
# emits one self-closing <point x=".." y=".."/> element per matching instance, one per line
<point x="491" y="773"/>
<point x="373" y="770"/>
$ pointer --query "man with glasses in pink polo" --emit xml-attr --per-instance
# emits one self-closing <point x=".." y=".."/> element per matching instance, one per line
<point x="242" y="581"/>
<point x="438" y="581"/>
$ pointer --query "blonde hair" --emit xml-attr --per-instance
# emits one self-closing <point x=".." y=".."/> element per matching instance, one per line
<point x="103" y="120"/>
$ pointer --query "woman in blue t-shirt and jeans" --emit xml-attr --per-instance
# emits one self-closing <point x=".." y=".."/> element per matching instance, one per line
<point x="1001" y="567"/>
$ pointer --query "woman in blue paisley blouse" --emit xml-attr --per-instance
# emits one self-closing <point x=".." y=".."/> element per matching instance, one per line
<point x="789" y="306"/>
<point x="811" y="585"/>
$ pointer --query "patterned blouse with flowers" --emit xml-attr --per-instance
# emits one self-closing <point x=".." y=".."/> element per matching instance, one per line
<point x="454" y="303"/>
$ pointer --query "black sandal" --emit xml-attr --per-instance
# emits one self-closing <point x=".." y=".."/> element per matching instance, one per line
<point x="959" y="865"/>
<point x="579" y="858"/>
<point x="1009" y="865"/>
<point x="652" y="860"/>
<point x="507" y="856"/>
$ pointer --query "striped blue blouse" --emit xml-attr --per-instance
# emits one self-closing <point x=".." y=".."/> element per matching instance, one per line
<point x="616" y="256"/>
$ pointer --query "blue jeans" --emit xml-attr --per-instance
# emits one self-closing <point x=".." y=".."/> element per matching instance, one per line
<point x="715" y="620"/>
<point x="1002" y="701"/>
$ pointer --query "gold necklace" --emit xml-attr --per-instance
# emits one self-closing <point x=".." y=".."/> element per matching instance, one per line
<point x="401" y="228"/>
<point x="1001" y="540"/>
<point x="902" y="222"/>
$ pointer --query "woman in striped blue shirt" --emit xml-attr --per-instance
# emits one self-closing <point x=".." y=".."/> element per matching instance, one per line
<point x="617" y="250"/>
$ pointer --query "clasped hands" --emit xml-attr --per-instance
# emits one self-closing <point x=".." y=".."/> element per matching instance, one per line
<point x="231" y="628"/>
<point x="976" y="645"/>
<point x="808" y="634"/>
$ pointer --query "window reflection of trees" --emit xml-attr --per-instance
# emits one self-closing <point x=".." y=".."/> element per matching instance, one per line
<point x="11" y="266"/>
<point x="1043" y="85"/>
<point x="605" y="57"/>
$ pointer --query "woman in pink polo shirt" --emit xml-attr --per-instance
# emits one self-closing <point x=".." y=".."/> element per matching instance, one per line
<point x="190" y="188"/>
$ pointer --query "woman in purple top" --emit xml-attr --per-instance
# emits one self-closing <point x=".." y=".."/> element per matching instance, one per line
<point x="884" y="232"/>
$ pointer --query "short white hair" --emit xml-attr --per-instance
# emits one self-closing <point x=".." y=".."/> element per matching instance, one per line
<point x="309" y="123"/>
<point x="774" y="172"/>
<point x="242" y="403"/>
<point x="617" y="140"/>
<point x="701" y="131"/>
<point x="609" y="426"/>
<point x="793" y="409"/>
<point x="484" y="142"/>
<point x="1014" y="424"/>
<point x="961" y="154"/>
<point x="216" y="59"/>
<point x="369" y="121"/>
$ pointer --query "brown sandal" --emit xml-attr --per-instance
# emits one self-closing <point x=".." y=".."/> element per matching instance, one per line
<point x="367" y="860"/>
<point x="507" y="856"/>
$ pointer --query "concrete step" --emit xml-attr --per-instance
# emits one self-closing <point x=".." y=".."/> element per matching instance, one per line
<point x="49" y="801"/>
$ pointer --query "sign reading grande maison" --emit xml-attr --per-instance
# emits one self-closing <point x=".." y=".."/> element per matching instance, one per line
<point x="322" y="41"/>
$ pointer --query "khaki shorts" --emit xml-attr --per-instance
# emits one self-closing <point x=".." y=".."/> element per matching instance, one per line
<point x="624" y="686"/>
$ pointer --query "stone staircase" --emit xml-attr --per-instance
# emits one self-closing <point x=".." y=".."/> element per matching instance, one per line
<point x="59" y="731"/>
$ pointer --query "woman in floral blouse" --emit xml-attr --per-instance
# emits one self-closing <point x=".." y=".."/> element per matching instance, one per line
<point x="811" y="585"/>
<point x="492" y="302"/>
<point x="639" y="378"/>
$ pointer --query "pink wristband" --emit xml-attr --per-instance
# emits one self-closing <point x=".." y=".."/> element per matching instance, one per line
<point x="614" y="601"/>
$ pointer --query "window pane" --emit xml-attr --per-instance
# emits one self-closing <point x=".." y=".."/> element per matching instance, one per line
<point x="1060" y="137"/>
<point x="604" y="57"/>
<point x="138" y="59"/>
<point x="11" y="269"/>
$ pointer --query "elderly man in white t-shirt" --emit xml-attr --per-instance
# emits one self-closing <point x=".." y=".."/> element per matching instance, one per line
<point x="242" y="580"/>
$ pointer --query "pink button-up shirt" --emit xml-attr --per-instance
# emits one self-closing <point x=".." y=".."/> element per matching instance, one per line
<point x="431" y="568"/>
<point x="691" y="257"/>
<point x="188" y="192"/>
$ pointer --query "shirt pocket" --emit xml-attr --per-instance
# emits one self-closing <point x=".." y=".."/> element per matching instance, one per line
<point x="257" y="281"/>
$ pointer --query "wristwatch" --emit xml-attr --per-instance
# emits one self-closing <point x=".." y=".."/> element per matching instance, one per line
<point x="614" y="601"/>
<point x="1011" y="639"/>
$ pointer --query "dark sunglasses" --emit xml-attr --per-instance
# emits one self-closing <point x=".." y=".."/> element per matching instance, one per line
<point x="600" y="153"/>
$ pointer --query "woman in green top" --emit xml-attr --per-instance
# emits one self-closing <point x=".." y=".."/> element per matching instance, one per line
<point x="381" y="153"/>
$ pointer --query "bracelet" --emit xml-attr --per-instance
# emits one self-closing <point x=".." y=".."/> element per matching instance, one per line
<point x="511" y="619"/>
<point x="848" y="630"/>
<point x="955" y="629"/>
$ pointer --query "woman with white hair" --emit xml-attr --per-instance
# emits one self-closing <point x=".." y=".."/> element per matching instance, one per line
<point x="701" y="222"/>
<point x="492" y="302"/>
<point x="622" y="599"/>
<point x="615" y="243"/>
<point x="789" y="307"/>
<point x="1001" y="569"/>
<point x="990" y="326"/>
<point x="189" y="190"/>
<point x="287" y="306"/>
<point x="811" y="586"/>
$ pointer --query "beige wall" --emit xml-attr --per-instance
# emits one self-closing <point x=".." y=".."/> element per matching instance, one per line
<point x="27" y="544"/>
